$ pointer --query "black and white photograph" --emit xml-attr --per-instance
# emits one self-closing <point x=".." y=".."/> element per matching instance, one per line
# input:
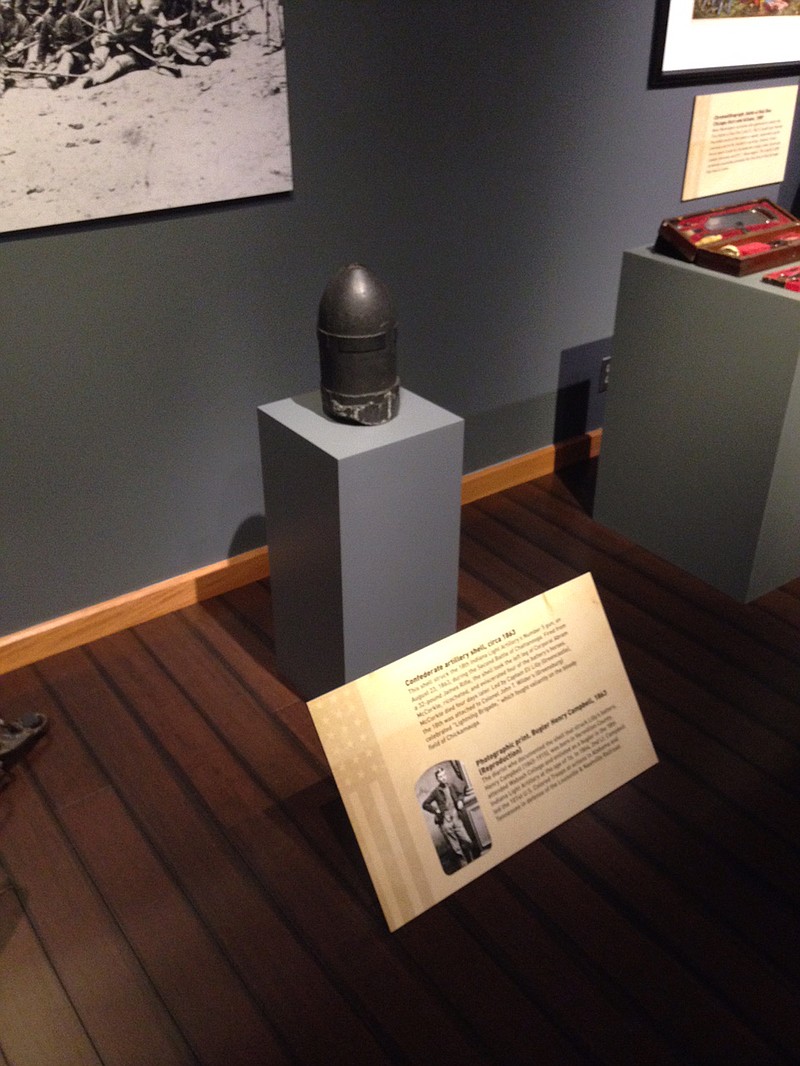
<point x="120" y="107"/>
<point x="453" y="815"/>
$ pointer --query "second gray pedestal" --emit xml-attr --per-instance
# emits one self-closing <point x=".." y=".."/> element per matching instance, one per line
<point x="701" y="443"/>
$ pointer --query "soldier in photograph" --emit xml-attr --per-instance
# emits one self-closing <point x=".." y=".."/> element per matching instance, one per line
<point x="16" y="34"/>
<point x="445" y="803"/>
<point x="125" y="49"/>
<point x="210" y="39"/>
<point x="65" y="44"/>
<point x="274" y="35"/>
<point x="14" y="27"/>
<point x="166" y="29"/>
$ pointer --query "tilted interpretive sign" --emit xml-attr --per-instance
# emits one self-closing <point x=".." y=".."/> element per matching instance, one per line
<point x="455" y="757"/>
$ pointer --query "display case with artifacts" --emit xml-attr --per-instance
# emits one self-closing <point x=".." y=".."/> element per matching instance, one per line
<point x="788" y="279"/>
<point x="739" y="239"/>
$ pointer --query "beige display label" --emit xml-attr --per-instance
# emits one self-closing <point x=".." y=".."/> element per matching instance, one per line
<point x="452" y="759"/>
<point x="739" y="140"/>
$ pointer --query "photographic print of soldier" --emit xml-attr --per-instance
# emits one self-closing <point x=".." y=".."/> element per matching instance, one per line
<point x="453" y="816"/>
<point x="112" y="107"/>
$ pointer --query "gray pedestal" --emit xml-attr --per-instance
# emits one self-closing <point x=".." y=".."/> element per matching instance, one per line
<point x="363" y="535"/>
<point x="701" y="442"/>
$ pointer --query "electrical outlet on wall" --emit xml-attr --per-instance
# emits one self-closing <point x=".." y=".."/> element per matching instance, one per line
<point x="605" y="370"/>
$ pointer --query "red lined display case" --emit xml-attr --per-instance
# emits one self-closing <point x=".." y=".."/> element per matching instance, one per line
<point x="788" y="279"/>
<point x="740" y="239"/>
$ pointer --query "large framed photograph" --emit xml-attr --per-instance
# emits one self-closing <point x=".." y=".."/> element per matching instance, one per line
<point x="703" y="41"/>
<point x="121" y="107"/>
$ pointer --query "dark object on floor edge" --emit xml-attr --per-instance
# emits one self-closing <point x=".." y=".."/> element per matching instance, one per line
<point x="17" y="738"/>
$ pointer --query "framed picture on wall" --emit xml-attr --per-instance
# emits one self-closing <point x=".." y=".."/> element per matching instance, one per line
<point x="120" y="107"/>
<point x="704" y="41"/>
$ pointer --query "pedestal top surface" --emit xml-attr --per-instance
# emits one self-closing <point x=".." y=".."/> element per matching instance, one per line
<point x="747" y="281"/>
<point x="304" y="415"/>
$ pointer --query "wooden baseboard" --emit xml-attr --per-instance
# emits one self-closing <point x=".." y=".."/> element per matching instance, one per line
<point x="527" y="467"/>
<point x="111" y="616"/>
<point x="101" y="619"/>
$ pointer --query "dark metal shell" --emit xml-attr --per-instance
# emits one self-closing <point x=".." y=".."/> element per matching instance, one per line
<point x="357" y="333"/>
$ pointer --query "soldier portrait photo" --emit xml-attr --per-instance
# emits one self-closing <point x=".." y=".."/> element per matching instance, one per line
<point x="455" y="823"/>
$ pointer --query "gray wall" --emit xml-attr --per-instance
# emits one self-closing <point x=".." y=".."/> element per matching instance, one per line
<point x="490" y="161"/>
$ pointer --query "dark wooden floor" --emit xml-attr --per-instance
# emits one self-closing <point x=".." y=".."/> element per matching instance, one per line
<point x="179" y="884"/>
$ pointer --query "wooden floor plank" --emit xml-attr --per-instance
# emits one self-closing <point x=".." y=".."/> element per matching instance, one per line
<point x="755" y="992"/>
<point x="745" y="689"/>
<point x="377" y="977"/>
<point x="774" y="755"/>
<point x="191" y="973"/>
<point x="105" y="983"/>
<point x="745" y="906"/>
<point x="451" y="950"/>
<point x="782" y="605"/>
<point x="81" y="931"/>
<point x="735" y="757"/>
<point x="620" y="954"/>
<point x="260" y="826"/>
<point x="279" y="969"/>
<point x="708" y="816"/>
<point x="228" y="759"/>
<point x="553" y="972"/>
<point x="706" y="614"/>
<point x="158" y="921"/>
<point x="248" y="724"/>
<point x="38" y="1024"/>
<point x="751" y="621"/>
<point x="751" y="785"/>
<point x="230" y="640"/>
